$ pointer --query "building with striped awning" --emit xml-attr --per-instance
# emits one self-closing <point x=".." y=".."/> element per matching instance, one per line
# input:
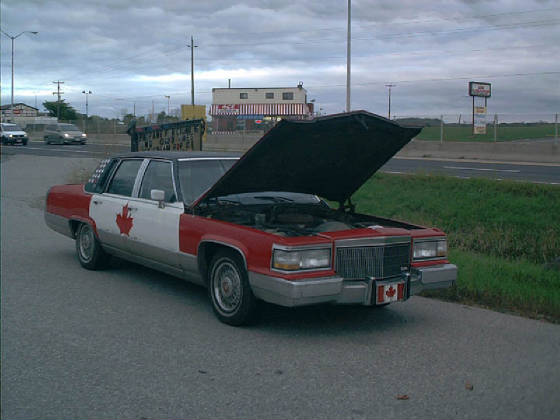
<point x="257" y="108"/>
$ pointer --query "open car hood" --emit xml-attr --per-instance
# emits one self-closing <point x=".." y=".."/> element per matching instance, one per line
<point x="329" y="156"/>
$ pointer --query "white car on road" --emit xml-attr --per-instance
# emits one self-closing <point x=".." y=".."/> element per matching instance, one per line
<point x="13" y="134"/>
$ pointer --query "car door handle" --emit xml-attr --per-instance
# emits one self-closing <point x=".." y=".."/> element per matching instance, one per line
<point x="97" y="202"/>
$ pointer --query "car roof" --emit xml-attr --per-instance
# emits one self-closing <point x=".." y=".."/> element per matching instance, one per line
<point x="171" y="155"/>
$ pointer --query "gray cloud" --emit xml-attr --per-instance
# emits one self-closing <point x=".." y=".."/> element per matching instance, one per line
<point x="130" y="52"/>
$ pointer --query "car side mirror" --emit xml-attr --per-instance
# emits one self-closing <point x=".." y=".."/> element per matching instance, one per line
<point x="159" y="196"/>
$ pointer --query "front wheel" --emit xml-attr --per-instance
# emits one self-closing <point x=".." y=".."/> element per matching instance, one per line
<point x="232" y="298"/>
<point x="89" y="251"/>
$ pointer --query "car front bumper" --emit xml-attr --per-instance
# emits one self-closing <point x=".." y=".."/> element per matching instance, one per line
<point x="337" y="290"/>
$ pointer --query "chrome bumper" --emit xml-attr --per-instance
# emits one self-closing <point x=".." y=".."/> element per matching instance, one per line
<point x="434" y="277"/>
<point x="337" y="290"/>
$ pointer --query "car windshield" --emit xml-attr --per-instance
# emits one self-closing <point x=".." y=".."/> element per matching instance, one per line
<point x="11" y="127"/>
<point x="264" y="197"/>
<point x="68" y="127"/>
<point x="196" y="176"/>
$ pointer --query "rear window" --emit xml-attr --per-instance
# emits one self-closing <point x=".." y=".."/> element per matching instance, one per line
<point x="98" y="179"/>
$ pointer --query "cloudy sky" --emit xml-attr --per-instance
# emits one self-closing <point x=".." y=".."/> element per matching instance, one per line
<point x="135" y="52"/>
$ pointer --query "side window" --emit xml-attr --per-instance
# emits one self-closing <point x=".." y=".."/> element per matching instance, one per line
<point x="269" y="95"/>
<point x="287" y="96"/>
<point x="123" y="180"/>
<point x="243" y="95"/>
<point x="158" y="176"/>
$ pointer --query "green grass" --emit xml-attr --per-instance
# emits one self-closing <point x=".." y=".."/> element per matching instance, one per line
<point x="518" y="286"/>
<point x="504" y="133"/>
<point x="501" y="234"/>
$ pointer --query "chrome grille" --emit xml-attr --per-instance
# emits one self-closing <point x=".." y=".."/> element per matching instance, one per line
<point x="372" y="261"/>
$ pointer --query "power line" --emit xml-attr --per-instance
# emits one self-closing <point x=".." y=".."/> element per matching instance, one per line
<point x="441" y="79"/>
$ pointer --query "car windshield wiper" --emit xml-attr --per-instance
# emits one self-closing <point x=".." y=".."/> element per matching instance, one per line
<point x="275" y="198"/>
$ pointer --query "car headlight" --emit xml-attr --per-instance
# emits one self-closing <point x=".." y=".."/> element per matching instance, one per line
<point x="84" y="135"/>
<point x="426" y="249"/>
<point x="10" y="135"/>
<point x="302" y="259"/>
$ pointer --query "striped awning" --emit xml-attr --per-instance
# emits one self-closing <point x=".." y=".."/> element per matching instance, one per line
<point x="259" y="109"/>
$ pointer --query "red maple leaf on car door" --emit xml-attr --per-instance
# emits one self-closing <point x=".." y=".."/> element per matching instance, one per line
<point x="124" y="221"/>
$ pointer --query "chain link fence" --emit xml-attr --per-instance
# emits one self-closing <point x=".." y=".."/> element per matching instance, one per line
<point x="497" y="128"/>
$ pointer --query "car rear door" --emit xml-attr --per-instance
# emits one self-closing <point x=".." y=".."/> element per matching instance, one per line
<point x="156" y="225"/>
<point x="112" y="210"/>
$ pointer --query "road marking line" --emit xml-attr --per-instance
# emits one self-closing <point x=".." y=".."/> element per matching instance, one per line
<point x="464" y="168"/>
<point x="393" y="172"/>
<point x="48" y="149"/>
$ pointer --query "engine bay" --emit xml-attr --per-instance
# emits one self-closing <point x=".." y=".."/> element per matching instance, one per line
<point x="295" y="219"/>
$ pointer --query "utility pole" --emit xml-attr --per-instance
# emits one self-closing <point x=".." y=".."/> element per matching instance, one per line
<point x="58" y="93"/>
<point x="134" y="110"/>
<point x="13" y="39"/>
<point x="168" y="98"/>
<point x="390" y="86"/>
<point x="192" y="47"/>
<point x="152" y="117"/>
<point x="87" y="93"/>
<point x="348" y="55"/>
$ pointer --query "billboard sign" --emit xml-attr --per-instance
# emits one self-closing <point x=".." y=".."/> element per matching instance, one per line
<point x="480" y="89"/>
<point x="479" y="126"/>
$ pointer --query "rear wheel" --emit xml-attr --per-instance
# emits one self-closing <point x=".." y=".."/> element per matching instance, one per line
<point x="89" y="251"/>
<point x="232" y="298"/>
<point x="46" y="138"/>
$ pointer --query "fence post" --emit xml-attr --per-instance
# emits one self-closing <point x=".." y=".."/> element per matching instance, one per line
<point x="556" y="129"/>
<point x="495" y="127"/>
<point x="441" y="130"/>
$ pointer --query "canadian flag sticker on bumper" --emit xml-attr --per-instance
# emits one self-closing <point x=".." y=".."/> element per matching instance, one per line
<point x="390" y="292"/>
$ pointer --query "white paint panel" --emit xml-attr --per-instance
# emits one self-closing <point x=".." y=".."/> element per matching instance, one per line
<point x="155" y="227"/>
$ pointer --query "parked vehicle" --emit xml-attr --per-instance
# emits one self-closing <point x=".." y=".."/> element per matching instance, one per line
<point x="13" y="134"/>
<point x="257" y="227"/>
<point x="63" y="134"/>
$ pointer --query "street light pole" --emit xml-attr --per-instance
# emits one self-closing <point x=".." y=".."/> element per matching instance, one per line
<point x="168" y="98"/>
<point x="86" y="93"/>
<point x="192" y="46"/>
<point x="348" y="58"/>
<point x="390" y="86"/>
<point x="13" y="38"/>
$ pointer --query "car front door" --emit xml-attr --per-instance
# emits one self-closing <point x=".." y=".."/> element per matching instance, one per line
<point x="112" y="210"/>
<point x="156" y="224"/>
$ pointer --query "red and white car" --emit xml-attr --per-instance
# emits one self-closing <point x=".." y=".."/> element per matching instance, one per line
<point x="257" y="227"/>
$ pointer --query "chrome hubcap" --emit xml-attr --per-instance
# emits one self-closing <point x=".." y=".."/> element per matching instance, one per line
<point x="86" y="243"/>
<point x="227" y="287"/>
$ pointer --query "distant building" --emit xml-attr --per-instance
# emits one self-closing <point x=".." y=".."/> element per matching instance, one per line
<point x="20" y="110"/>
<point x="256" y="108"/>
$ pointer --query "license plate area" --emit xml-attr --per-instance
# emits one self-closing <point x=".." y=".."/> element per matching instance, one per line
<point x="389" y="291"/>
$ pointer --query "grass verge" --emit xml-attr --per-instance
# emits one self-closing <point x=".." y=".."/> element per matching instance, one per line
<point x="501" y="234"/>
<point x="504" y="133"/>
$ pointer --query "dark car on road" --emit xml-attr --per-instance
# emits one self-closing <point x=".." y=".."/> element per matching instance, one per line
<point x="63" y="134"/>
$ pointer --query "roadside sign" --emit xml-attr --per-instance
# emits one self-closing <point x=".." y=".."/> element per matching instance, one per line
<point x="479" y="120"/>
<point x="480" y="89"/>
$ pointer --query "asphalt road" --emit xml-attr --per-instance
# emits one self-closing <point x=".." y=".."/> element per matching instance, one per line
<point x="549" y="174"/>
<point x="129" y="342"/>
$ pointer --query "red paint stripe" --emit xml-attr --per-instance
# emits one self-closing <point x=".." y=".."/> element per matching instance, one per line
<point x="400" y="291"/>
<point x="380" y="294"/>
